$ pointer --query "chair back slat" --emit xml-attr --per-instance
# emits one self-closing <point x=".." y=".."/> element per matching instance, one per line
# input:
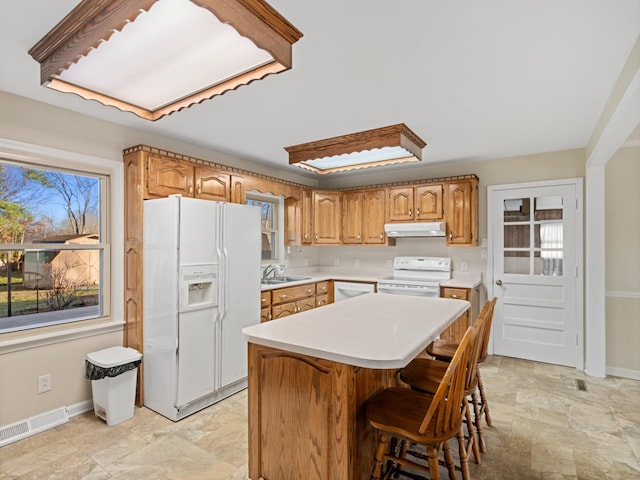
<point x="484" y="343"/>
<point x="445" y="409"/>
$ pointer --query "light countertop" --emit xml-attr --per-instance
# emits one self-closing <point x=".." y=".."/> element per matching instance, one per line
<point x="374" y="330"/>
<point x="463" y="280"/>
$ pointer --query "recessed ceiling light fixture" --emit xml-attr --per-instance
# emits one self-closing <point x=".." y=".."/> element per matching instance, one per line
<point x="154" y="57"/>
<point x="372" y="148"/>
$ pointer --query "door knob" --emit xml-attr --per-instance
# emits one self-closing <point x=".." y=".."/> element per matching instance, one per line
<point x="498" y="282"/>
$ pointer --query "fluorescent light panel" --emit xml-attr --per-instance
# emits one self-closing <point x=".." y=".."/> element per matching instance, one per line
<point x="155" y="57"/>
<point x="378" y="147"/>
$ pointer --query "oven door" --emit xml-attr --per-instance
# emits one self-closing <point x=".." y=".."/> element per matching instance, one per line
<point x="406" y="289"/>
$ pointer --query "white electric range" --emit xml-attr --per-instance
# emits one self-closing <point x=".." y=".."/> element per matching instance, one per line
<point x="416" y="276"/>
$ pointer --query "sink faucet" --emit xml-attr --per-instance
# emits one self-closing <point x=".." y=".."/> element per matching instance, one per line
<point x="269" y="269"/>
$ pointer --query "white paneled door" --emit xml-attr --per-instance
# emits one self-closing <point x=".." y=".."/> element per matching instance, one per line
<point x="535" y="244"/>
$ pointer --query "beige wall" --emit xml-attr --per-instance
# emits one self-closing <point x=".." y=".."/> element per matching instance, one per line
<point x="623" y="260"/>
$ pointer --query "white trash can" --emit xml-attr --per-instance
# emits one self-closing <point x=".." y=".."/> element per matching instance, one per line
<point x="112" y="372"/>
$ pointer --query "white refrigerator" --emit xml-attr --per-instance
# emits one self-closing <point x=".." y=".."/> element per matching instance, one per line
<point x="201" y="288"/>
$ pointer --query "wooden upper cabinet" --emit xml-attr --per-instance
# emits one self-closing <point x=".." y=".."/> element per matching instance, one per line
<point x="237" y="190"/>
<point x="428" y="202"/>
<point x="292" y="220"/>
<point x="373" y="215"/>
<point x="461" y="207"/>
<point x="416" y="203"/>
<point x="306" y="218"/>
<point x="401" y="204"/>
<point x="352" y="223"/>
<point x="212" y="184"/>
<point x="167" y="176"/>
<point x="326" y="217"/>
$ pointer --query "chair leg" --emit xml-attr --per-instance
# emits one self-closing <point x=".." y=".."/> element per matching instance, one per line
<point x="448" y="460"/>
<point x="434" y="465"/>
<point x="383" y="440"/>
<point x="484" y="409"/>
<point x="477" y="414"/>
<point x="464" y="458"/>
<point x="472" y="445"/>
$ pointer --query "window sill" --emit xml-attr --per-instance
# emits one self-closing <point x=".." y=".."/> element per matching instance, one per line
<point x="25" y="341"/>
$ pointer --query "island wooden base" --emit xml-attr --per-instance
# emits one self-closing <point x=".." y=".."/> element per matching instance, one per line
<point x="306" y="416"/>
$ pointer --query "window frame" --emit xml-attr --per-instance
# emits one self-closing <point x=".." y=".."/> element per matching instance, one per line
<point x="278" y="213"/>
<point x="112" y="237"/>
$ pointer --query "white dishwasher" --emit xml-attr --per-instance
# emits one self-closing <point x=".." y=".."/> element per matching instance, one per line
<point x="344" y="290"/>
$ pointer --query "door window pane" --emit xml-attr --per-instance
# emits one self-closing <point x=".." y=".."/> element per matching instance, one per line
<point x="517" y="236"/>
<point x="516" y="210"/>
<point x="517" y="262"/>
<point x="548" y="208"/>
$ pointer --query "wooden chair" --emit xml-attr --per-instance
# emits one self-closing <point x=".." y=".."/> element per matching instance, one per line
<point x="444" y="350"/>
<point x="412" y="417"/>
<point x="424" y="374"/>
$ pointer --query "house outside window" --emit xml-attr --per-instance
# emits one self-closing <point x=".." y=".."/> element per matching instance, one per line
<point x="54" y="245"/>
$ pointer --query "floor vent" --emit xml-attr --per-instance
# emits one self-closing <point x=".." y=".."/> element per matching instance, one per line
<point x="31" y="426"/>
<point x="580" y="385"/>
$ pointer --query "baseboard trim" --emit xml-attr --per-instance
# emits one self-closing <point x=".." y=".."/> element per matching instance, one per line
<point x="623" y="372"/>
<point x="79" y="408"/>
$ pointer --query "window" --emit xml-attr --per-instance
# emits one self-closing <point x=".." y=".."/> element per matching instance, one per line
<point x="272" y="226"/>
<point x="54" y="243"/>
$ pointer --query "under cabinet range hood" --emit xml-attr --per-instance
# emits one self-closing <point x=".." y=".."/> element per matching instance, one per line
<point x="416" y="229"/>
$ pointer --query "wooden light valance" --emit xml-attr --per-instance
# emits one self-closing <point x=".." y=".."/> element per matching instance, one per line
<point x="371" y="148"/>
<point x="152" y="57"/>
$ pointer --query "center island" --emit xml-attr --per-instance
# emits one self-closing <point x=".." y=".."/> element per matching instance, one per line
<point x="310" y="375"/>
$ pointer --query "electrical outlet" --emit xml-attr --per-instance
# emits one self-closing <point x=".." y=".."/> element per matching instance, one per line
<point x="463" y="266"/>
<point x="306" y="262"/>
<point x="336" y="261"/>
<point x="44" y="383"/>
<point x="389" y="263"/>
<point x="356" y="262"/>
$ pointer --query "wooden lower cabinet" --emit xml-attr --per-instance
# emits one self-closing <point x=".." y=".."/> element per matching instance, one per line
<point x="457" y="329"/>
<point x="306" y="416"/>
<point x="265" y="306"/>
<point x="290" y="300"/>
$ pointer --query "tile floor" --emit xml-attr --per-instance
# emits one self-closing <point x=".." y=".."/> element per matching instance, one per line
<point x="544" y="428"/>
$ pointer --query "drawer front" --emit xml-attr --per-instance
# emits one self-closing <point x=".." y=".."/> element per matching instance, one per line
<point x="322" y="300"/>
<point x="291" y="294"/>
<point x="265" y="314"/>
<point x="457" y="293"/>
<point x="322" y="288"/>
<point x="265" y="299"/>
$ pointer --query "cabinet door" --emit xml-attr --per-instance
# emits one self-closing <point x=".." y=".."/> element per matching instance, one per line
<point x="373" y="213"/>
<point x="461" y="205"/>
<point x="326" y="218"/>
<point x="401" y="204"/>
<point x="429" y="202"/>
<point x="212" y="184"/>
<point x="283" y="310"/>
<point x="322" y="300"/>
<point x="457" y="329"/>
<point x="237" y="189"/>
<point x="166" y="176"/>
<point x="306" y="217"/>
<point x="306" y="304"/>
<point x="352" y="218"/>
<point x="265" y="314"/>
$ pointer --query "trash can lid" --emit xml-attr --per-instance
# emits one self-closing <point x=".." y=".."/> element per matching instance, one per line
<point x="110" y="357"/>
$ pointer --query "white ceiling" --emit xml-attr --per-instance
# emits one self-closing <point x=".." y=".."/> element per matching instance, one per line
<point x="475" y="79"/>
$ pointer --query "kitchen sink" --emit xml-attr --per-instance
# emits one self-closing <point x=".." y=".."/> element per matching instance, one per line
<point x="283" y="279"/>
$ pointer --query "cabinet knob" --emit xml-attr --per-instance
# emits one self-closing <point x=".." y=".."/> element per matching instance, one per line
<point x="309" y="290"/>
<point x="417" y="212"/>
<point x="410" y="211"/>
<point x="283" y="297"/>
<point x="316" y="237"/>
<point x="381" y="236"/>
<point x="454" y="296"/>
<point x="190" y="189"/>
<point x="358" y="236"/>
<point x="199" y="189"/>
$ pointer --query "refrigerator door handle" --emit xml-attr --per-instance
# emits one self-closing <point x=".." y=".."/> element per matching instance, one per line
<point x="224" y="264"/>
